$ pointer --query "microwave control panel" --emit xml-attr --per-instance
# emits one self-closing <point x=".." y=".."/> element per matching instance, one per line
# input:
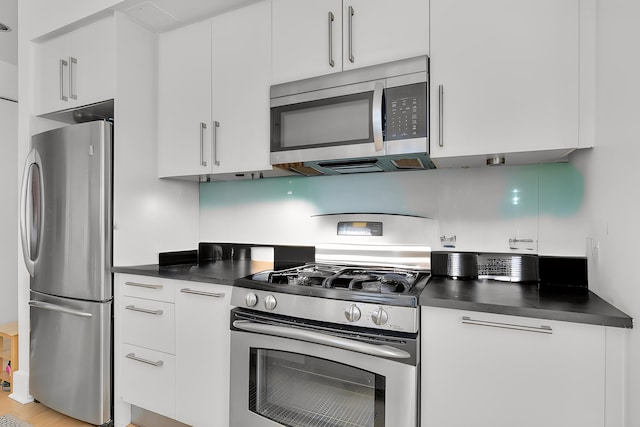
<point x="406" y="112"/>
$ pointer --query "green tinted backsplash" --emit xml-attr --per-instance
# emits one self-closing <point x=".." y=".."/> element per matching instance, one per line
<point x="552" y="189"/>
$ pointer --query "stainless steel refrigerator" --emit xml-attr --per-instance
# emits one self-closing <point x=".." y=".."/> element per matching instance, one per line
<point x="66" y="230"/>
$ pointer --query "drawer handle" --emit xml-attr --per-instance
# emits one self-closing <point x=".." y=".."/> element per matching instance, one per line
<point x="143" y="285"/>
<point x="133" y="356"/>
<point x="206" y="294"/>
<point x="539" y="329"/>
<point x="144" y="310"/>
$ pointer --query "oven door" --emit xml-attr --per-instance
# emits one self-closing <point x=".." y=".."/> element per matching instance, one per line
<point x="286" y="376"/>
<point x="335" y="123"/>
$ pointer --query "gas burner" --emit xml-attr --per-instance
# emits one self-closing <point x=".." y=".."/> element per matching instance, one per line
<point x="362" y="279"/>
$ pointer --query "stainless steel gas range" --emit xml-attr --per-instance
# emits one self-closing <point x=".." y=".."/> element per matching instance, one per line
<point x="334" y="342"/>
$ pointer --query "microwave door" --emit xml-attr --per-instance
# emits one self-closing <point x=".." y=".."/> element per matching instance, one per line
<point x="343" y="123"/>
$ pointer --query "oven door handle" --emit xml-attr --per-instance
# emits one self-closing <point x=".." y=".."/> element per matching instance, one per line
<point x="319" y="338"/>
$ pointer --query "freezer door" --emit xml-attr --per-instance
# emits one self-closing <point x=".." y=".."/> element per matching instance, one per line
<point x="70" y="360"/>
<point x="67" y="212"/>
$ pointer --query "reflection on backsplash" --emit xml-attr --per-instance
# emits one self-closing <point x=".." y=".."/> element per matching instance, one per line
<point x="487" y="209"/>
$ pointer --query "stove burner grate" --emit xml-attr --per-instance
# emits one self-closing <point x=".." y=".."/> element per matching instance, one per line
<point x="373" y="280"/>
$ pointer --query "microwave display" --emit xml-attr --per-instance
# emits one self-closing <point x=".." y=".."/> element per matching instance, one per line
<point x="405" y="112"/>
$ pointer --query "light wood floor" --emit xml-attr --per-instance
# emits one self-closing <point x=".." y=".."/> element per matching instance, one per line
<point x="37" y="414"/>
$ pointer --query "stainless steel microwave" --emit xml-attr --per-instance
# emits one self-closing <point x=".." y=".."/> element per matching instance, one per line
<point x="366" y="120"/>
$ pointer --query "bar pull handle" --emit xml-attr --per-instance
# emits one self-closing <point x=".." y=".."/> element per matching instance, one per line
<point x="143" y="285"/>
<point x="203" y="126"/>
<point x="331" y="19"/>
<point x="522" y="244"/>
<point x="214" y="137"/>
<point x="59" y="309"/>
<point x="72" y="79"/>
<point x="351" y="13"/>
<point x="63" y="64"/>
<point x="321" y="338"/>
<point x="31" y="244"/>
<point x="543" y="329"/>
<point x="440" y="115"/>
<point x="206" y="294"/>
<point x="376" y="118"/>
<point x="133" y="356"/>
<point x="144" y="310"/>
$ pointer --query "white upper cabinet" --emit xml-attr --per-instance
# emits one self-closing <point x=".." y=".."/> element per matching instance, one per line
<point x="76" y="69"/>
<point x="184" y="97"/>
<point x="505" y="80"/>
<point x="375" y="31"/>
<point x="241" y="79"/>
<point x="317" y="37"/>
<point x="214" y="95"/>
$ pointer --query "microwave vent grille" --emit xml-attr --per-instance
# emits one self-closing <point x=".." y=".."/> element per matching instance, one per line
<point x="408" y="163"/>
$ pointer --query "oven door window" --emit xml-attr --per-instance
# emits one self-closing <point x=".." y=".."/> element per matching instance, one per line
<point x="335" y="121"/>
<point x="297" y="390"/>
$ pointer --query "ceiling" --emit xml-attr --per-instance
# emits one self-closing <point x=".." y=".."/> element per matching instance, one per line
<point x="163" y="15"/>
<point x="9" y="40"/>
<point x="157" y="15"/>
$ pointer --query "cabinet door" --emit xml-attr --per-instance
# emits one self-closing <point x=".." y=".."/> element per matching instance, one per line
<point x="185" y="101"/>
<point x="494" y="375"/>
<point x="52" y="75"/>
<point x="148" y="379"/>
<point x="375" y="33"/>
<point x="306" y="42"/>
<point x="508" y="73"/>
<point x="92" y="63"/>
<point x="241" y="78"/>
<point x="202" y="352"/>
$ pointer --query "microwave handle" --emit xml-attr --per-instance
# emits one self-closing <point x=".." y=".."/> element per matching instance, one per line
<point x="376" y="118"/>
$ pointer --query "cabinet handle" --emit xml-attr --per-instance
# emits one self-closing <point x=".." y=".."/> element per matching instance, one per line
<point x="206" y="294"/>
<point x="133" y="356"/>
<point x="143" y="285"/>
<point x="63" y="64"/>
<point x="351" y="13"/>
<point x="539" y="329"/>
<point x="144" y="310"/>
<point x="72" y="93"/>
<point x="214" y="139"/>
<point x="203" y="126"/>
<point x="440" y="114"/>
<point x="331" y="19"/>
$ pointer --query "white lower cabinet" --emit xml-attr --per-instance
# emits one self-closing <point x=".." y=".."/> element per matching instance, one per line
<point x="148" y="378"/>
<point x="202" y="353"/>
<point x="172" y="348"/>
<point x="488" y="370"/>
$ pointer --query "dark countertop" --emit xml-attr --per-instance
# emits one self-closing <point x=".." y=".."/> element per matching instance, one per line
<point x="222" y="272"/>
<point x="522" y="299"/>
<point x="515" y="299"/>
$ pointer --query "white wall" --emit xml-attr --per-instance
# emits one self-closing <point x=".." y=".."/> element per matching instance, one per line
<point x="8" y="81"/>
<point x="9" y="210"/>
<point x="612" y="176"/>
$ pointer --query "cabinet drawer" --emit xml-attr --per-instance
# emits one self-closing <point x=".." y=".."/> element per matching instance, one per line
<point x="146" y="287"/>
<point x="148" y="324"/>
<point x="148" y="379"/>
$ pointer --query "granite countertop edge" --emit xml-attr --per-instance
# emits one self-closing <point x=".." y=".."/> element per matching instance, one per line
<point x="523" y="299"/>
<point x="438" y="293"/>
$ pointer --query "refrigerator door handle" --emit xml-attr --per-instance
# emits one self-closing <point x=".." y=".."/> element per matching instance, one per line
<point x="31" y="246"/>
<point x="54" y="307"/>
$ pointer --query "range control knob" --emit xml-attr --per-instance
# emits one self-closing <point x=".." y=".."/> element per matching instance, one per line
<point x="270" y="302"/>
<point x="379" y="316"/>
<point x="251" y="299"/>
<point x="352" y="313"/>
